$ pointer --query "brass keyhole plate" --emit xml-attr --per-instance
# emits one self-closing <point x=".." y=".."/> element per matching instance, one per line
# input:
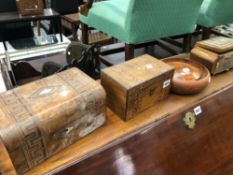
<point x="190" y="120"/>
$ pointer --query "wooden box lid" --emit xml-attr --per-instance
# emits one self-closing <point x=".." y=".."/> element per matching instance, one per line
<point x="217" y="44"/>
<point x="208" y="55"/>
<point x="135" y="72"/>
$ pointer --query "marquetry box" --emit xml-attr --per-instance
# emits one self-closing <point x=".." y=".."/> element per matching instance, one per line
<point x="215" y="62"/>
<point x="41" y="118"/>
<point x="215" y="53"/>
<point x="218" y="44"/>
<point x="136" y="85"/>
<point x="30" y="7"/>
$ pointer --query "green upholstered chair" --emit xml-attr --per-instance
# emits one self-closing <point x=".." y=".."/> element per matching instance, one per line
<point x="139" y="21"/>
<point x="214" y="13"/>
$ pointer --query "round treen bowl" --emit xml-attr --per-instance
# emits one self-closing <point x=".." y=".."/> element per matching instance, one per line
<point x="190" y="77"/>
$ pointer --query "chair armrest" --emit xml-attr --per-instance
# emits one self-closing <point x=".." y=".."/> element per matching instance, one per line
<point x="84" y="9"/>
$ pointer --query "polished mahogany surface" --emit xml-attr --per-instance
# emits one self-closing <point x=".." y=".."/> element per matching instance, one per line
<point x="116" y="131"/>
<point x="6" y="166"/>
<point x="167" y="147"/>
<point x="43" y="117"/>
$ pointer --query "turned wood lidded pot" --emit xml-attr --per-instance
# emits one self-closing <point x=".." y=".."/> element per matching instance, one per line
<point x="190" y="77"/>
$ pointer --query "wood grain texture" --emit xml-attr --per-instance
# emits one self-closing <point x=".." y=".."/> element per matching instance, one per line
<point x="71" y="22"/>
<point x="115" y="130"/>
<point x="30" y="7"/>
<point x="43" y="117"/>
<point x="136" y="85"/>
<point x="72" y="18"/>
<point x="219" y="44"/>
<point x="216" y="63"/>
<point x="167" y="147"/>
<point x="6" y="166"/>
<point x="190" y="77"/>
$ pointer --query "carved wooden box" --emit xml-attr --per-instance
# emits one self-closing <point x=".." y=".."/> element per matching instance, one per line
<point x="41" y="118"/>
<point x="136" y="85"/>
<point x="215" y="62"/>
<point x="30" y="7"/>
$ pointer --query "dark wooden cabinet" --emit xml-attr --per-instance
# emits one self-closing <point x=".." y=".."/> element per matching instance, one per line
<point x="167" y="147"/>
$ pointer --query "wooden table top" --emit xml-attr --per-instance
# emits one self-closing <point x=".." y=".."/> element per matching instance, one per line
<point x="8" y="17"/>
<point x="72" y="18"/>
<point x="116" y="130"/>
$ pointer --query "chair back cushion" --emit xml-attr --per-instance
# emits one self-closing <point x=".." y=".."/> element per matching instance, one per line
<point x="153" y="19"/>
<point x="139" y="21"/>
<point x="216" y="12"/>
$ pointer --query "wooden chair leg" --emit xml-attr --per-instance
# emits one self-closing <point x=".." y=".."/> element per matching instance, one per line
<point x="84" y="29"/>
<point x="129" y="51"/>
<point x="38" y="27"/>
<point x="187" y="43"/>
<point x="74" y="32"/>
<point x="206" y="33"/>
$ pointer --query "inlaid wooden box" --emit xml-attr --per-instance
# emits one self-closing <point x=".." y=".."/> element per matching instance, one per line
<point x="215" y="62"/>
<point x="41" y="118"/>
<point x="136" y="85"/>
<point x="30" y="7"/>
<point x="219" y="44"/>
